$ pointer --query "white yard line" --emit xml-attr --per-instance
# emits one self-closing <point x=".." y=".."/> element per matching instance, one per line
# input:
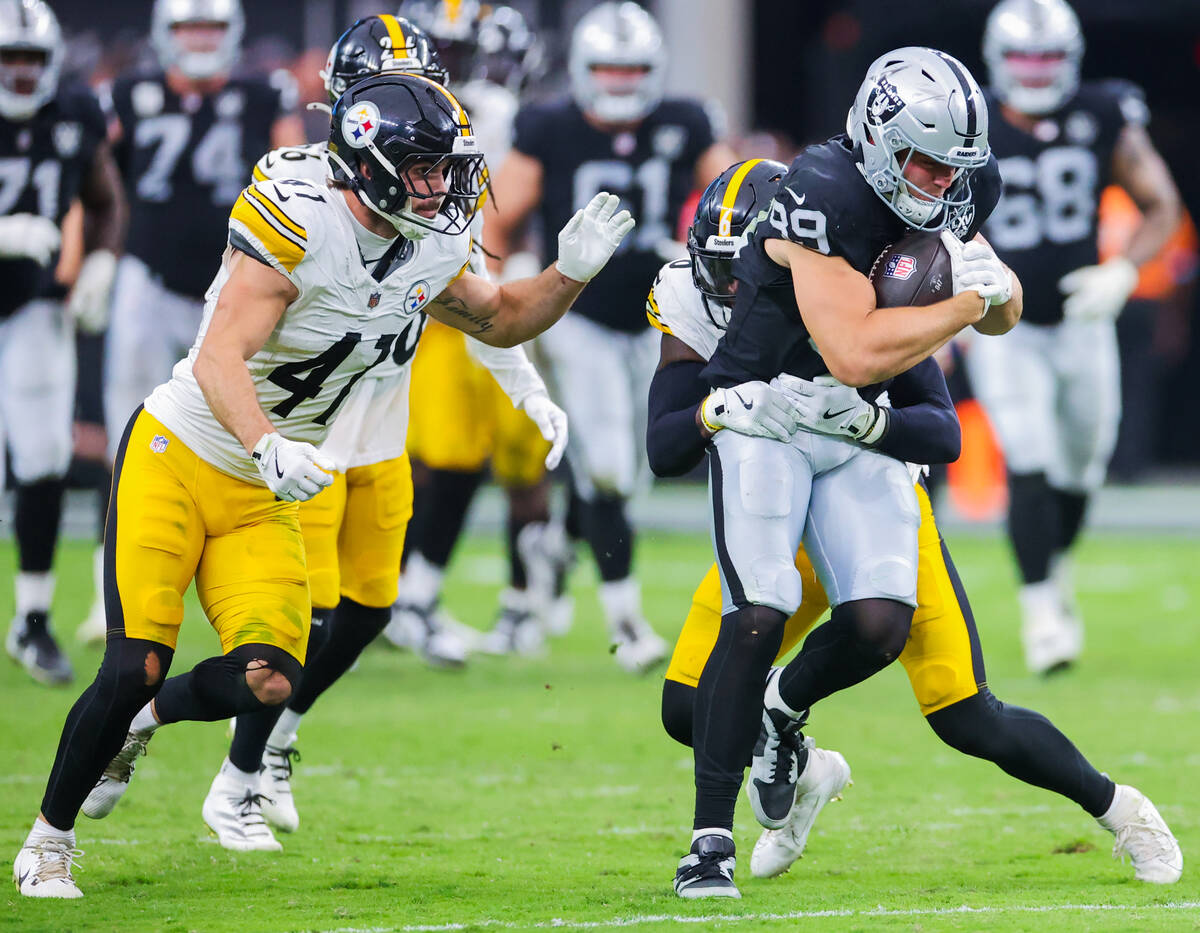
<point x="640" y="920"/>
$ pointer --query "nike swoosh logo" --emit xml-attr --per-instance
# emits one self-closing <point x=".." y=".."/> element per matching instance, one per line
<point x="281" y="196"/>
<point x="834" y="414"/>
<point x="799" y="200"/>
<point x="278" y="472"/>
<point x="746" y="405"/>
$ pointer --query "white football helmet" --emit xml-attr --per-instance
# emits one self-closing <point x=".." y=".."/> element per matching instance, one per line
<point x="1033" y="49"/>
<point x="620" y="34"/>
<point x="919" y="100"/>
<point x="28" y="26"/>
<point x="197" y="64"/>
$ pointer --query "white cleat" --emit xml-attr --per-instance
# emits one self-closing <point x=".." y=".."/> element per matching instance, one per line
<point x="275" y="781"/>
<point x="548" y="557"/>
<point x="518" y="629"/>
<point x="825" y="776"/>
<point x="115" y="780"/>
<point x="636" y="646"/>
<point x="423" y="630"/>
<point x="1143" y="835"/>
<point x="43" y="869"/>
<point x="1052" y="641"/>
<point x="233" y="810"/>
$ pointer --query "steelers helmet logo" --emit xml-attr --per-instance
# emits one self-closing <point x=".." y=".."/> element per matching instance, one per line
<point x="360" y="124"/>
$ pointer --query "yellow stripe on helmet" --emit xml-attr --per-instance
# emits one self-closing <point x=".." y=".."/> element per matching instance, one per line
<point x="725" y="224"/>
<point x="395" y="32"/>
<point x="460" y="115"/>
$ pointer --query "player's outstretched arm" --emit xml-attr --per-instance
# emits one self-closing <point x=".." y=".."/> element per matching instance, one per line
<point x="505" y="315"/>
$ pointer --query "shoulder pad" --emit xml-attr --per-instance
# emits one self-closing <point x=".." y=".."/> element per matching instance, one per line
<point x="271" y="220"/>
<point x="303" y="162"/>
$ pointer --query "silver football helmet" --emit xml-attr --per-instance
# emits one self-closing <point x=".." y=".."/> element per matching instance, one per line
<point x="172" y="51"/>
<point x="1033" y="49"/>
<point x="29" y="31"/>
<point x="621" y="34"/>
<point x="919" y="100"/>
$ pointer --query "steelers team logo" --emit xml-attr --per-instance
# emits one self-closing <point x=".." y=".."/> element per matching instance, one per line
<point x="360" y="124"/>
<point x="417" y="295"/>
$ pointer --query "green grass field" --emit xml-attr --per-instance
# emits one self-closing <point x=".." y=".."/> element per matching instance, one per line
<point x="543" y="793"/>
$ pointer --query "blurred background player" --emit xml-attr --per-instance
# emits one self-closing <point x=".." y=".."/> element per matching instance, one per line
<point x="465" y="420"/>
<point x="53" y="150"/>
<point x="186" y="136"/>
<point x="1052" y="387"/>
<point x="615" y="131"/>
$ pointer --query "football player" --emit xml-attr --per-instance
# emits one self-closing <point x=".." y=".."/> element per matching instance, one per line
<point x="1052" y="388"/>
<point x="465" y="420"/>
<point x="690" y="304"/>
<point x="53" y="150"/>
<point x="915" y="156"/>
<point x="616" y="131"/>
<point x="318" y="285"/>
<point x="354" y="534"/>
<point x="185" y="136"/>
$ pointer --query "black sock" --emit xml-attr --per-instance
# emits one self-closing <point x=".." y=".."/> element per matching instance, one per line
<point x="354" y="627"/>
<point x="610" y="536"/>
<point x="130" y="674"/>
<point x="1024" y="744"/>
<point x="1072" y="508"/>
<point x="517" y="577"/>
<point x="861" y="638"/>
<point x="216" y="688"/>
<point x="443" y="513"/>
<point x="1033" y="524"/>
<point x="728" y="709"/>
<point x="37" y="513"/>
<point x="575" y="522"/>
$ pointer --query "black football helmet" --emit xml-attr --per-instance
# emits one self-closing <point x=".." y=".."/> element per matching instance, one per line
<point x="508" y="53"/>
<point x="398" y="137"/>
<point x="376" y="44"/>
<point x="727" y="206"/>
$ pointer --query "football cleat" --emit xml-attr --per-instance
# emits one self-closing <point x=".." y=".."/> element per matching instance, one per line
<point x="1143" y="835"/>
<point x="423" y="630"/>
<point x="233" y="810"/>
<point x="43" y="869"/>
<point x="115" y="780"/>
<point x="275" y="782"/>
<point x="707" y="870"/>
<point x="1051" y="641"/>
<point x="824" y="778"/>
<point x="636" y="646"/>
<point x="518" y="629"/>
<point x="548" y="558"/>
<point x="31" y="645"/>
<point x="775" y="766"/>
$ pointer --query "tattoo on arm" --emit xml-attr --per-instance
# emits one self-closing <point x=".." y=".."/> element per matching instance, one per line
<point x="480" y="323"/>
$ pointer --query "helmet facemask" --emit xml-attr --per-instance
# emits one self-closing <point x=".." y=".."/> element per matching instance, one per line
<point x="31" y="56"/>
<point x="617" y="63"/>
<point x="1033" y="50"/>
<point x="712" y="265"/>
<point x="201" y="39"/>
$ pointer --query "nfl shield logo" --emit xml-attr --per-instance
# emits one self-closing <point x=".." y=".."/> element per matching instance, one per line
<point x="373" y="301"/>
<point x="900" y="266"/>
<point x="67" y="137"/>
<point x="159" y="443"/>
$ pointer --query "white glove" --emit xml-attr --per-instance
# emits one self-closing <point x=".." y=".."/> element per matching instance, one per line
<point x="590" y="238"/>
<point x="29" y="236"/>
<point x="293" y="470"/>
<point x="89" y="299"/>
<point x="551" y="421"/>
<point x="752" y="408"/>
<point x="1098" y="293"/>
<point x="826" y="406"/>
<point x="976" y="267"/>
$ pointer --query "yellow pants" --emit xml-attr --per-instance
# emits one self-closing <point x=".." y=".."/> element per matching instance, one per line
<point x="354" y="534"/>
<point x="942" y="645"/>
<point x="460" y="419"/>
<point x="174" y="518"/>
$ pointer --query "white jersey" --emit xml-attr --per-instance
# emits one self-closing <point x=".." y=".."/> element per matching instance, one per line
<point x="342" y="326"/>
<point x="676" y="307"/>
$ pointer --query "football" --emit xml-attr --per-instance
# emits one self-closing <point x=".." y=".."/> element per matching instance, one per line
<point x="913" y="271"/>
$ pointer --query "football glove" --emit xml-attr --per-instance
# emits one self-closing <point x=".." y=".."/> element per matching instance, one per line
<point x="551" y="421"/>
<point x="89" y="298"/>
<point x="29" y="236"/>
<point x="752" y="408"/>
<point x="1098" y="293"/>
<point x="590" y="238"/>
<point x="293" y="470"/>
<point x="825" y="406"/>
<point x="976" y="267"/>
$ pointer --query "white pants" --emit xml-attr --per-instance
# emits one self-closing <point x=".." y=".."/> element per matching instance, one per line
<point x="854" y="509"/>
<point x="37" y="390"/>
<point x="602" y="379"/>
<point x="1053" y="395"/>
<point x="151" y="329"/>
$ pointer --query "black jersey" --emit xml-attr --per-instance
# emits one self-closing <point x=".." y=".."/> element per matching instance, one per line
<point x="43" y="162"/>
<point x="1045" y="224"/>
<point x="184" y="161"/>
<point x="653" y="170"/>
<point x="824" y="203"/>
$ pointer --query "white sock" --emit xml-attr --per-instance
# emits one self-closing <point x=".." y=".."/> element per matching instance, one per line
<point x="35" y="592"/>
<point x="621" y="600"/>
<point x="246" y="777"/>
<point x="144" y="721"/>
<point x="284" y="733"/>
<point x="421" y="584"/>
<point x="772" y="699"/>
<point x="43" y="830"/>
<point x="711" y="831"/>
<point x="98" y="573"/>
<point x="1111" y="819"/>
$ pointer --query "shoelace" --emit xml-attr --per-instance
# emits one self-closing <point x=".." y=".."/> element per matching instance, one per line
<point x="1153" y="847"/>
<point x="280" y="762"/>
<point x="121" y="767"/>
<point x="251" y="806"/>
<point x="708" y="866"/>
<point x="55" y="860"/>
<point x="788" y="739"/>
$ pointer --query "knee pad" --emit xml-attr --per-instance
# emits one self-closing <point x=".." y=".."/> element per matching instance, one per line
<point x="133" y="669"/>
<point x="677" y="700"/>
<point x="219" y="680"/>
<point x="756" y="631"/>
<point x="880" y="626"/>
<point x="774" y="582"/>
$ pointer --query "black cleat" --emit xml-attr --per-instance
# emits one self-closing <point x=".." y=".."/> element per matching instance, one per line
<point x="707" y="870"/>
<point x="31" y="645"/>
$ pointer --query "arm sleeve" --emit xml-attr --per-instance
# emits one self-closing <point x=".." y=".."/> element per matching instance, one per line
<point x="674" y="443"/>
<point x="511" y="369"/>
<point x="922" y="424"/>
